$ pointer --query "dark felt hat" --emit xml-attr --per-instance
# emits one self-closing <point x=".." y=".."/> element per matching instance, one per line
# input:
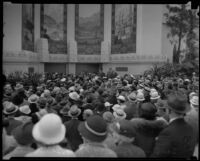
<point x="23" y="133"/>
<point x="94" y="128"/>
<point x="178" y="103"/>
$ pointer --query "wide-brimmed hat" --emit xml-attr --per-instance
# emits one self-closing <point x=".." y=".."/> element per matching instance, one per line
<point x="19" y="87"/>
<point x="23" y="133"/>
<point x="119" y="114"/>
<point x="74" y="96"/>
<point x="65" y="110"/>
<point x="33" y="98"/>
<point x="132" y="97"/>
<point x="122" y="98"/>
<point x="94" y="128"/>
<point x="74" y="111"/>
<point x="152" y="90"/>
<point x="140" y="91"/>
<point x="107" y="104"/>
<point x="192" y="94"/>
<point x="178" y="103"/>
<point x="194" y="100"/>
<point x="10" y="108"/>
<point x="154" y="95"/>
<point x="116" y="106"/>
<point x="25" y="109"/>
<point x="49" y="130"/>
<point x="140" y="96"/>
<point x="108" y="117"/>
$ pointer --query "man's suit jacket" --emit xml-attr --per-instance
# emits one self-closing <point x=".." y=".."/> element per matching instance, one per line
<point x="175" y="141"/>
<point x="72" y="134"/>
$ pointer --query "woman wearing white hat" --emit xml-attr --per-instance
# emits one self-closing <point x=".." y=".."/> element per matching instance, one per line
<point x="49" y="132"/>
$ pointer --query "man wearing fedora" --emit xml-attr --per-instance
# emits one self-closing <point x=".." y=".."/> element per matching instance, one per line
<point x="10" y="111"/>
<point x="72" y="134"/>
<point x="177" y="140"/>
<point x="131" y="109"/>
<point x="94" y="132"/>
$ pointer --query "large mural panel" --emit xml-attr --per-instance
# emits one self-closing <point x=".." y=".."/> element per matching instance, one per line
<point x="28" y="27"/>
<point x="54" y="27"/>
<point x="89" y="28"/>
<point x="123" y="28"/>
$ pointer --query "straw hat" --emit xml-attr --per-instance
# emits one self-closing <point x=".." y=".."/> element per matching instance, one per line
<point x="132" y="97"/>
<point x="33" y="98"/>
<point x="152" y="90"/>
<point x="64" y="111"/>
<point x="116" y="106"/>
<point x="194" y="100"/>
<point x="47" y="93"/>
<point x="74" y="96"/>
<point x="140" y="96"/>
<point x="74" y="111"/>
<point x="107" y="104"/>
<point x="19" y="87"/>
<point x="25" y="109"/>
<point x="63" y="80"/>
<point x="119" y="114"/>
<point x="49" y="130"/>
<point x="10" y="108"/>
<point x="122" y="98"/>
<point x="154" y="95"/>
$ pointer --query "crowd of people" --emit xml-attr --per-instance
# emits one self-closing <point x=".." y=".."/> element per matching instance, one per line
<point x="101" y="115"/>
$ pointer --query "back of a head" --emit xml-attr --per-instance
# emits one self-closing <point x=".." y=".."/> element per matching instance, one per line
<point x="147" y="111"/>
<point x="100" y="106"/>
<point x="17" y="99"/>
<point x="177" y="101"/>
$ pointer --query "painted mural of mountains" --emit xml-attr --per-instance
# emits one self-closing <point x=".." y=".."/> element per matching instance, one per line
<point x="55" y="29"/>
<point x="90" y="22"/>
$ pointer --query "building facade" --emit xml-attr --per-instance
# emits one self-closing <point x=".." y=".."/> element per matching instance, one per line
<point x="74" y="38"/>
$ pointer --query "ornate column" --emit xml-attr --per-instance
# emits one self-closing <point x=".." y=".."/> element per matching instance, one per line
<point x="72" y="44"/>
